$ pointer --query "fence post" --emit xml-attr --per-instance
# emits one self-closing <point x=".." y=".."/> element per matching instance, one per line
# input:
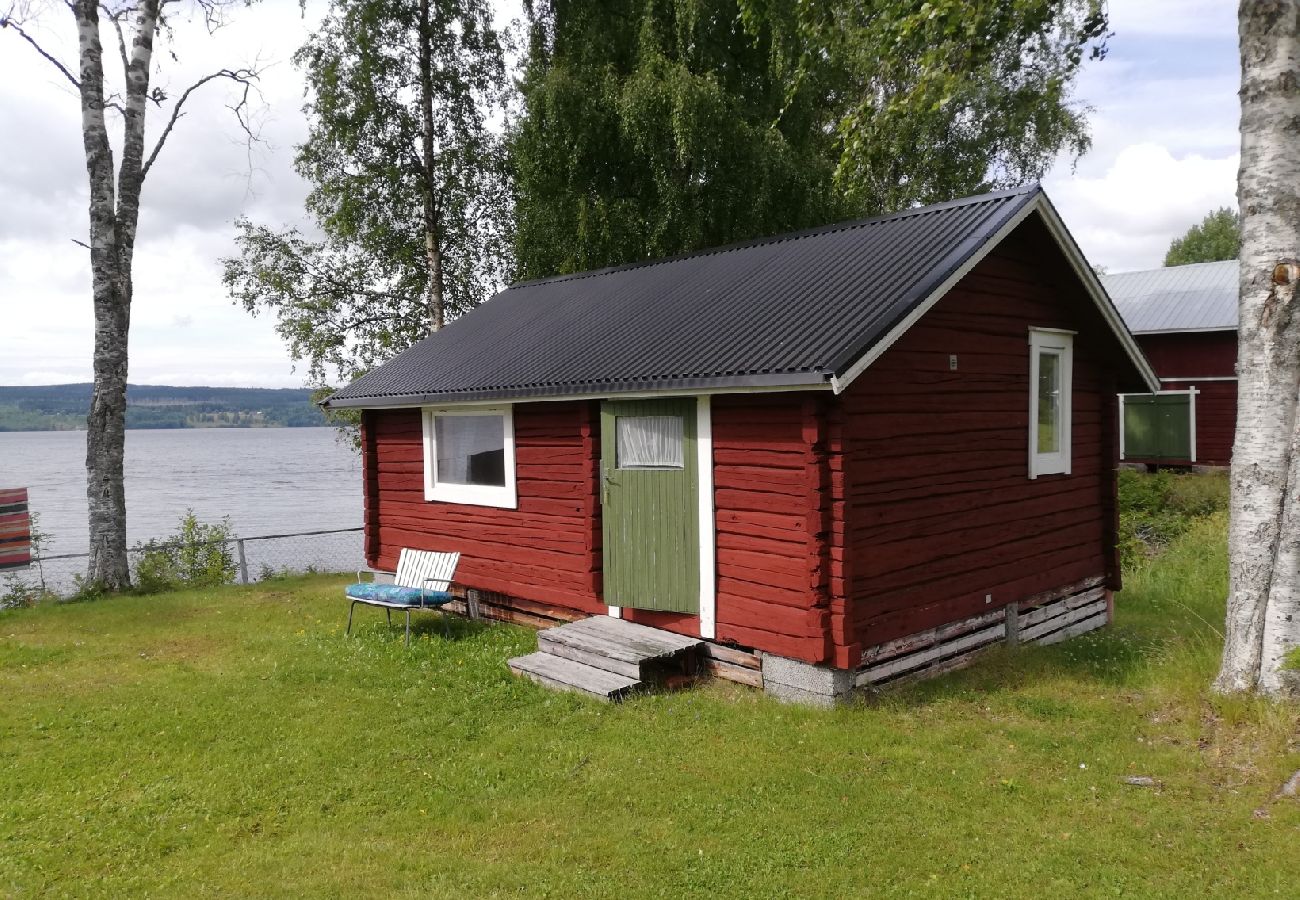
<point x="243" y="562"/>
<point x="1013" y="623"/>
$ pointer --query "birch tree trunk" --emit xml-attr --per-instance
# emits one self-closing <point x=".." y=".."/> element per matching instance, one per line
<point x="1263" y="621"/>
<point x="112" y="250"/>
<point x="432" y="241"/>
<point x="114" y="215"/>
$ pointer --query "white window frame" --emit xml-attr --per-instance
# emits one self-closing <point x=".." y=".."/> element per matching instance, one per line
<point x="1191" y="414"/>
<point x="1061" y="341"/>
<point x="503" y="497"/>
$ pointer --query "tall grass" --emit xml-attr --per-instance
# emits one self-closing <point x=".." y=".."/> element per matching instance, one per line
<point x="1155" y="509"/>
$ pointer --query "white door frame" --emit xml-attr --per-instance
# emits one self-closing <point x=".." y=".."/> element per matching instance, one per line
<point x="707" y="521"/>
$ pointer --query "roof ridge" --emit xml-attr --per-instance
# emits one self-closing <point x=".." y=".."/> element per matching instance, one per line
<point x="799" y="234"/>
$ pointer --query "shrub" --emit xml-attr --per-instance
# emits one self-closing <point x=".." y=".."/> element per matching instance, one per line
<point x="197" y="555"/>
<point x="1156" y="509"/>
<point x="18" y="593"/>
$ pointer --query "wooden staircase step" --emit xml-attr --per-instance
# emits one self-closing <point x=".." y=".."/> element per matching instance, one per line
<point x="636" y="651"/>
<point x="569" y="675"/>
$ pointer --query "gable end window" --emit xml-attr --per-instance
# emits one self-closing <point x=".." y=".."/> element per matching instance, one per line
<point x="1051" y="378"/>
<point x="469" y="456"/>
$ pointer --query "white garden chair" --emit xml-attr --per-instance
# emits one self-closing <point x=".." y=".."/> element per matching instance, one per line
<point x="421" y="582"/>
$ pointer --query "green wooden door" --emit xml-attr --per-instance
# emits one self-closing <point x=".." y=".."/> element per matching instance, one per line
<point x="650" y="513"/>
<point x="1158" y="426"/>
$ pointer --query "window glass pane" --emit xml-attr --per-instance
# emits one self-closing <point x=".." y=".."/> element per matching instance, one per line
<point x="471" y="449"/>
<point x="1049" y="402"/>
<point x="649" y="442"/>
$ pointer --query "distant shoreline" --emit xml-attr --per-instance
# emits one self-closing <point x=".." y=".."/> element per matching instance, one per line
<point x="82" y="430"/>
<point x="63" y="407"/>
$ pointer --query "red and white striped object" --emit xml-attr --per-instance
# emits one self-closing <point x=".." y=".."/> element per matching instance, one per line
<point x="15" y="529"/>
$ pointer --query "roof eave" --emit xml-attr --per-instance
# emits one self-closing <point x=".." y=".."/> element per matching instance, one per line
<point x="735" y="384"/>
<point x="1209" y="329"/>
<point x="1097" y="291"/>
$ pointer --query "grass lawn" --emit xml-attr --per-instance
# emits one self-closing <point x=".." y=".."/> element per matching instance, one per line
<point x="233" y="742"/>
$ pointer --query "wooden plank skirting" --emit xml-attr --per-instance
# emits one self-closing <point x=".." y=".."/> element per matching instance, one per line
<point x="515" y="610"/>
<point x="1046" y="618"/>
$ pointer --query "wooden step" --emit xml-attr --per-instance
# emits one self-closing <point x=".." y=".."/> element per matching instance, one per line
<point x="563" y="674"/>
<point x="635" y="651"/>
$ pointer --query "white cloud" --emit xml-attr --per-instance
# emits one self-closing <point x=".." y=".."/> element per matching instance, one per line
<point x="1125" y="217"/>
<point x="1164" y="127"/>
<point x="1174" y="18"/>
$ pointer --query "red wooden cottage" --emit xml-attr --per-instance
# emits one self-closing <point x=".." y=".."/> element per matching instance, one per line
<point x="840" y="457"/>
<point x="1185" y="320"/>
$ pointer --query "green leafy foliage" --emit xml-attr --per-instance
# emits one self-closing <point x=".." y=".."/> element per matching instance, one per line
<point x="1156" y="509"/>
<point x="660" y="128"/>
<point x="1217" y="237"/>
<point x="354" y="295"/>
<point x="197" y="555"/>
<point x="19" y="592"/>
<point x="654" y="129"/>
<point x="956" y="96"/>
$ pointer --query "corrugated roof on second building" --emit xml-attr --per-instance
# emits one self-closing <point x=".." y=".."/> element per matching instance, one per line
<point x="1196" y="297"/>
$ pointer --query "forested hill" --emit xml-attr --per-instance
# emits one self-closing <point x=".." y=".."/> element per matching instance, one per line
<point x="63" y="407"/>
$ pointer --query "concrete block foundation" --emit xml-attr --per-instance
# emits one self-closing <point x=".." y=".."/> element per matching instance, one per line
<point x="793" y="681"/>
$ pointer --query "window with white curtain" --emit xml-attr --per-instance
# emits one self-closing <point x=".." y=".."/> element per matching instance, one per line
<point x="650" y="442"/>
<point x="469" y="456"/>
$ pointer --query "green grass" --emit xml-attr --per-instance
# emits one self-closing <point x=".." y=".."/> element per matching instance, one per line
<point x="232" y="742"/>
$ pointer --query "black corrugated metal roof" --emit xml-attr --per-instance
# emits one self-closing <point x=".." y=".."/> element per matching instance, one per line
<point x="795" y="309"/>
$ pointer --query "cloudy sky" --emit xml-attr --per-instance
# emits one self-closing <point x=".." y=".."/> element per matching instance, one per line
<point x="1164" y="153"/>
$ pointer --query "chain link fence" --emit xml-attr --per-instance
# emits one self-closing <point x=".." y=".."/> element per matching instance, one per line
<point x="245" y="560"/>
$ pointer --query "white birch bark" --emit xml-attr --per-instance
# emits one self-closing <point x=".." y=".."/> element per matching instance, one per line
<point x="106" y="421"/>
<point x="432" y="237"/>
<point x="1264" y="534"/>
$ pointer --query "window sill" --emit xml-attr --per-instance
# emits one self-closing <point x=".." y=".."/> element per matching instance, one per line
<point x="472" y="495"/>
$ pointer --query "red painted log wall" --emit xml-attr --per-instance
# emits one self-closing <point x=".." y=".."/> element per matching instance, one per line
<point x="770" y="484"/>
<point x="941" y="512"/>
<point x="772" y="505"/>
<point x="1192" y="355"/>
<point x="547" y="550"/>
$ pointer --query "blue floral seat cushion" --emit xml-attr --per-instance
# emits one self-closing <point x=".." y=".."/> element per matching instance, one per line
<point x="396" y="595"/>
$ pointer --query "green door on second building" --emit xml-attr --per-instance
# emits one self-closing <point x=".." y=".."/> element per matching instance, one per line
<point x="650" y="506"/>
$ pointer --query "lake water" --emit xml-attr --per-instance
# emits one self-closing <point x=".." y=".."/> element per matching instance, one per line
<point x="266" y="480"/>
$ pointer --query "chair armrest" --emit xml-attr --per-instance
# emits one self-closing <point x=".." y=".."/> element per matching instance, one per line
<point x="360" y="572"/>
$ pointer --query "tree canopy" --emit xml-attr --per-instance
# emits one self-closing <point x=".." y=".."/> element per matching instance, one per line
<point x="650" y="129"/>
<point x="1216" y="237"/>
<point x="399" y="101"/>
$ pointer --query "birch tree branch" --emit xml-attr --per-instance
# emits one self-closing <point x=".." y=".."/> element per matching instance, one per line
<point x="8" y="22"/>
<point x="121" y="38"/>
<point x="246" y="77"/>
